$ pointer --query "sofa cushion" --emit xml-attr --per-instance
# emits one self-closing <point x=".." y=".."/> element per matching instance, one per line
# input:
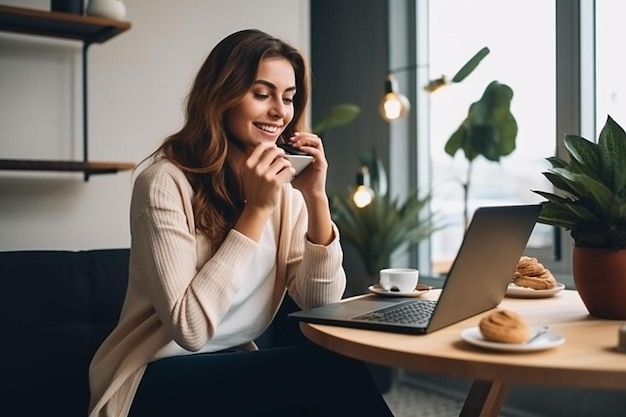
<point x="57" y="307"/>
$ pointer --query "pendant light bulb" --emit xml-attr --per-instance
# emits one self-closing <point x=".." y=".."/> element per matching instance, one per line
<point x="363" y="194"/>
<point x="394" y="105"/>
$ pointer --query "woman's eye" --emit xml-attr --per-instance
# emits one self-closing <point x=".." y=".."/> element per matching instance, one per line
<point x="261" y="96"/>
<point x="288" y="100"/>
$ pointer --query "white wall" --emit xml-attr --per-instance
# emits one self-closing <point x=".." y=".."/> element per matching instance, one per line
<point x="137" y="84"/>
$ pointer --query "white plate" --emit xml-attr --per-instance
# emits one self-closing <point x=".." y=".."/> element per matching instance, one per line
<point x="420" y="290"/>
<point x="524" y="292"/>
<point x="549" y="340"/>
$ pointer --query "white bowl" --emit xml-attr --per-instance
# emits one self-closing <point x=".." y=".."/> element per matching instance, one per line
<point x="299" y="162"/>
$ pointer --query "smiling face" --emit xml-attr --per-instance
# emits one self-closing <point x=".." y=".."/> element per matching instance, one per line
<point x="267" y="108"/>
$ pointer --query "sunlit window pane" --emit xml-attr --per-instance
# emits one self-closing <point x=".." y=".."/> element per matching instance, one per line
<point x="521" y="38"/>
<point x="610" y="85"/>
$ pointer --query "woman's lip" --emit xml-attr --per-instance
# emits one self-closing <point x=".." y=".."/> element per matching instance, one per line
<point x="260" y="125"/>
<point x="273" y="135"/>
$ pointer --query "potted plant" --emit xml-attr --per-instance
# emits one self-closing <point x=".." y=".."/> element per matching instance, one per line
<point x="383" y="226"/>
<point x="488" y="130"/>
<point x="592" y="206"/>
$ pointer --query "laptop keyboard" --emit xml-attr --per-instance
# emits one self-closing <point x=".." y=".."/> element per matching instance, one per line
<point x="416" y="311"/>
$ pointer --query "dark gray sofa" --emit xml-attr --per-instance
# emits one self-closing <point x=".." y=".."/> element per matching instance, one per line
<point x="57" y="307"/>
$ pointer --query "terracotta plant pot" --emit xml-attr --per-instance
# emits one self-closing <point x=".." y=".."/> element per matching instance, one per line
<point x="600" y="278"/>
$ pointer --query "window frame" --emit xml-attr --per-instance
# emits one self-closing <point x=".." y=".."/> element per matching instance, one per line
<point x="575" y="103"/>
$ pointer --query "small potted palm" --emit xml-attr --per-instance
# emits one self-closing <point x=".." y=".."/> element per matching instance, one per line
<point x="385" y="225"/>
<point x="591" y="204"/>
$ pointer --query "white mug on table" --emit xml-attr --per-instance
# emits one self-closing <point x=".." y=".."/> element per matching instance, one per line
<point x="399" y="279"/>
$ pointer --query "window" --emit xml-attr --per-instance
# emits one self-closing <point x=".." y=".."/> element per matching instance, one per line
<point x="610" y="86"/>
<point x="545" y="51"/>
<point x="524" y="60"/>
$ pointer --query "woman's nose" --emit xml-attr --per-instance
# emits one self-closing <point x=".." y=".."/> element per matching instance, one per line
<point x="279" y="108"/>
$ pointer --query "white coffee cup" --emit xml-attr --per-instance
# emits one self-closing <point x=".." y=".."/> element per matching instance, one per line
<point x="399" y="279"/>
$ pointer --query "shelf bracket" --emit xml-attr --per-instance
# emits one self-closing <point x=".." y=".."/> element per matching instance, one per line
<point x="86" y="45"/>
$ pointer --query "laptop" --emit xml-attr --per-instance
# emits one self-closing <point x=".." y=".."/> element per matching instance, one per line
<point x="477" y="281"/>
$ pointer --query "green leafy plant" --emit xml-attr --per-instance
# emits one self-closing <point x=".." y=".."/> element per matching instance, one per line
<point x="489" y="129"/>
<point x="385" y="225"/>
<point x="461" y="74"/>
<point x="340" y="115"/>
<point x="593" y="184"/>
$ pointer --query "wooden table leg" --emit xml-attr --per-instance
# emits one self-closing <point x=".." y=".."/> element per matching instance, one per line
<point x="484" y="399"/>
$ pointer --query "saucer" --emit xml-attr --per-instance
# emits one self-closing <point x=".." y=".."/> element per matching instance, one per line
<point x="418" y="291"/>
<point x="549" y="340"/>
<point x="525" y="292"/>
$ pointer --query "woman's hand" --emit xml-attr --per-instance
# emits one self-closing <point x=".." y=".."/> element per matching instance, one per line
<point x="312" y="184"/>
<point x="263" y="174"/>
<point x="312" y="180"/>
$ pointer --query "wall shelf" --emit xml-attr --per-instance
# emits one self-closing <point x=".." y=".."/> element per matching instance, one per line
<point x="90" y="167"/>
<point x="88" y="29"/>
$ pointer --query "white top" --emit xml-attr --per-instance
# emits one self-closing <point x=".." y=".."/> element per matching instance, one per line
<point x="250" y="313"/>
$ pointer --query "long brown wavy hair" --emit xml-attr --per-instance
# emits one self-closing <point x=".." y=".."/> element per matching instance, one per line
<point x="200" y="148"/>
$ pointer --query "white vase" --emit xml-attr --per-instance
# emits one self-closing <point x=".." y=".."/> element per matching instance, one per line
<point x="112" y="9"/>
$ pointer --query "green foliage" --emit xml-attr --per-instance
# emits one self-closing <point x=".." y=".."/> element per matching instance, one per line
<point x="386" y="224"/>
<point x="466" y="69"/>
<point x="489" y="128"/>
<point x="470" y="65"/>
<point x="339" y="115"/>
<point x="593" y="187"/>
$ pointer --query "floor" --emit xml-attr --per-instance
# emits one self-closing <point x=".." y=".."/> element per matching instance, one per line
<point x="407" y="401"/>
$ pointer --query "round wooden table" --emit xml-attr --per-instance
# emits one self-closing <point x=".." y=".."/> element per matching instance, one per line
<point x="587" y="359"/>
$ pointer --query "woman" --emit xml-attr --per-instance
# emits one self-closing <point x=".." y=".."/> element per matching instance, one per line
<point x="218" y="235"/>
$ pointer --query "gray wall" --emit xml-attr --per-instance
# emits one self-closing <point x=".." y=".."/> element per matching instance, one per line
<point x="349" y="63"/>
